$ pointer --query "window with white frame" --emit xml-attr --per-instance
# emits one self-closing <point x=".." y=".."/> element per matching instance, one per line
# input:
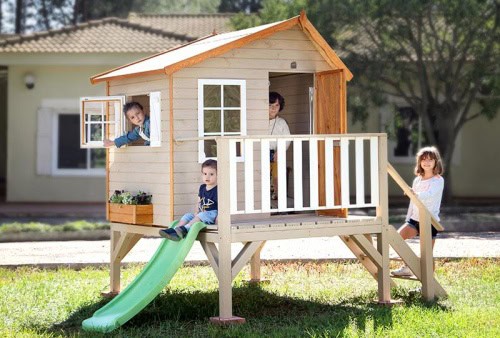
<point x="67" y="156"/>
<point x="221" y="112"/>
<point x="102" y="118"/>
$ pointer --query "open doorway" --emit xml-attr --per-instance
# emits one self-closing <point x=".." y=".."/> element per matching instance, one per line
<point x="297" y="90"/>
<point x="3" y="132"/>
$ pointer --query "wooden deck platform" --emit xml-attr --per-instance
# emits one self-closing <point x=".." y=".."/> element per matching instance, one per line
<point x="270" y="228"/>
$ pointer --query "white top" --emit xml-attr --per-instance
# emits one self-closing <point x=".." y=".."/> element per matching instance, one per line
<point x="430" y="192"/>
<point x="141" y="134"/>
<point x="278" y="126"/>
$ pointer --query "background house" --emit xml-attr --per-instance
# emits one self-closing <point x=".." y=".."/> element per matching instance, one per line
<point x="40" y="158"/>
<point x="62" y="62"/>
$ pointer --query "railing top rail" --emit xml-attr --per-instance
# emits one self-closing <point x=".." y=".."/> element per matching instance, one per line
<point x="413" y="197"/>
<point x="273" y="137"/>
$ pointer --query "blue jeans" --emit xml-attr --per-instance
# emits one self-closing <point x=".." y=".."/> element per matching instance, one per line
<point x="207" y="217"/>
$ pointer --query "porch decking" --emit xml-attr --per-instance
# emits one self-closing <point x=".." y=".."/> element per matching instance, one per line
<point x="276" y="227"/>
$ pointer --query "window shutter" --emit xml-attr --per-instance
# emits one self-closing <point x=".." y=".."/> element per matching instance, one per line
<point x="44" y="138"/>
<point x="155" y="117"/>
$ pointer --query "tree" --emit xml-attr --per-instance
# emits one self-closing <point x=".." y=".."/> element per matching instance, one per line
<point x="245" y="6"/>
<point x="441" y="57"/>
<point x="25" y="16"/>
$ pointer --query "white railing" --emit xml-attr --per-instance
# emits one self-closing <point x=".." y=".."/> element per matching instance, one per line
<point x="307" y="157"/>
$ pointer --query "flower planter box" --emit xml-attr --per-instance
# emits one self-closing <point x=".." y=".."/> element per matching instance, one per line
<point x="132" y="214"/>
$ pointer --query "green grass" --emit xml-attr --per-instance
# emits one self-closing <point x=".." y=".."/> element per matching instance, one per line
<point x="17" y="227"/>
<point x="302" y="300"/>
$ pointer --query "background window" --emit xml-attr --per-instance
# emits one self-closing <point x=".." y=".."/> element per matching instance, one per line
<point x="69" y="158"/>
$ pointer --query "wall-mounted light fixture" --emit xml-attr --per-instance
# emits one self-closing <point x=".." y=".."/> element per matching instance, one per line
<point x="29" y="80"/>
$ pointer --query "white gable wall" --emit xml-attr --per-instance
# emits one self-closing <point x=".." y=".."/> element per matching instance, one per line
<point x="252" y="63"/>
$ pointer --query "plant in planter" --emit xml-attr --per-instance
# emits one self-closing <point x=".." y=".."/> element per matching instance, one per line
<point x="125" y="207"/>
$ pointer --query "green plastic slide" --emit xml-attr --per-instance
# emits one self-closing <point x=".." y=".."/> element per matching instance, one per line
<point x="167" y="259"/>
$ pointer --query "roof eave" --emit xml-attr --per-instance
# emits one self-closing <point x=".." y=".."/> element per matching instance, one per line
<point x="323" y="47"/>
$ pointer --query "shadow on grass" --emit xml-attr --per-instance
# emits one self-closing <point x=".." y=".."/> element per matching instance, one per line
<point x="266" y="313"/>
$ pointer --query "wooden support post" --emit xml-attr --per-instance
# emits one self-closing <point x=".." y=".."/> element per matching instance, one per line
<point x="383" y="275"/>
<point x="121" y="243"/>
<point x="114" y="272"/>
<point x="224" y="232"/>
<point x="426" y="257"/>
<point x="255" y="265"/>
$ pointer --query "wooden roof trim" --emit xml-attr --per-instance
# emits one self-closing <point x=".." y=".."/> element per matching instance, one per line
<point x="323" y="47"/>
<point x="94" y="79"/>
<point x="126" y="76"/>
<point x="233" y="45"/>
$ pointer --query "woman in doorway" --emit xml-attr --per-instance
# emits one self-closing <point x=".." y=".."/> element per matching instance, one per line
<point x="277" y="126"/>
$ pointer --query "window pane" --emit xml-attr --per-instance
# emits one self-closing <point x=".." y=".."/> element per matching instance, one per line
<point x="91" y="107"/>
<point x="96" y="132"/>
<point x="97" y="158"/>
<point x="231" y="120"/>
<point x="232" y="96"/>
<point x="69" y="154"/>
<point x="210" y="148"/>
<point x="211" y="121"/>
<point x="211" y="96"/>
<point x="95" y="117"/>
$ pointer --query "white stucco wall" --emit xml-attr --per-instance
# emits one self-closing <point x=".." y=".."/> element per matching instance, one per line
<point x="476" y="164"/>
<point x="63" y="78"/>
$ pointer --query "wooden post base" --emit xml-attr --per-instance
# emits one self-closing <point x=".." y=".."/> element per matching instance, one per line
<point x="389" y="303"/>
<point x="258" y="282"/>
<point x="110" y="294"/>
<point x="227" y="321"/>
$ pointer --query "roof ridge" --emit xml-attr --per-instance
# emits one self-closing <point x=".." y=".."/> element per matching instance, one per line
<point x="93" y="23"/>
<point x="135" y="14"/>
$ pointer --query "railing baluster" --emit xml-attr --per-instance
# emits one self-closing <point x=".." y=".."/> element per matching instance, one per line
<point x="266" y="176"/>
<point x="329" y="176"/>
<point x="249" y="179"/>
<point x="344" y="171"/>
<point x="282" y="177"/>
<point x="374" y="170"/>
<point x="233" y="181"/>
<point x="313" y="169"/>
<point x="297" y="175"/>
<point x="360" y="172"/>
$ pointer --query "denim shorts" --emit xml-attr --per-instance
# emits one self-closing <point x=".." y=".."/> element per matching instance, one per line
<point x="207" y="217"/>
<point x="416" y="225"/>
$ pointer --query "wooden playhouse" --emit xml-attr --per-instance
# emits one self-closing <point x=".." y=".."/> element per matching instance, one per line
<point x="209" y="99"/>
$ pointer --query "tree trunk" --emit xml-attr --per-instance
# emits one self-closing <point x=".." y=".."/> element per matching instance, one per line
<point x="446" y="146"/>
<point x="19" y="17"/>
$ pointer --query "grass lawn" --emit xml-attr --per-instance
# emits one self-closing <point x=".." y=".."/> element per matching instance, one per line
<point x="302" y="300"/>
<point x="81" y="225"/>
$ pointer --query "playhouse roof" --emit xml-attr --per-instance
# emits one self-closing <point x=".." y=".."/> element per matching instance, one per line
<point x="194" y="52"/>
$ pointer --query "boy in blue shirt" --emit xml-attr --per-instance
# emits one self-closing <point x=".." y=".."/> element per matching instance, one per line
<point x="206" y="208"/>
<point x="135" y="114"/>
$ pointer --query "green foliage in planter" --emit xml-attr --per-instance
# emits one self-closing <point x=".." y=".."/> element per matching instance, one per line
<point x="125" y="197"/>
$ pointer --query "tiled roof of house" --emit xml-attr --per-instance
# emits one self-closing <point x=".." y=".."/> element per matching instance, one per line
<point x="141" y="33"/>
<point x="192" y="25"/>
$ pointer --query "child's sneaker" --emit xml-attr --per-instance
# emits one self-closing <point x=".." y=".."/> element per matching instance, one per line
<point x="403" y="271"/>
<point x="174" y="234"/>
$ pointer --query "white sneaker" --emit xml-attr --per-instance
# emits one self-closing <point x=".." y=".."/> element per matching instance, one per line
<point x="402" y="271"/>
